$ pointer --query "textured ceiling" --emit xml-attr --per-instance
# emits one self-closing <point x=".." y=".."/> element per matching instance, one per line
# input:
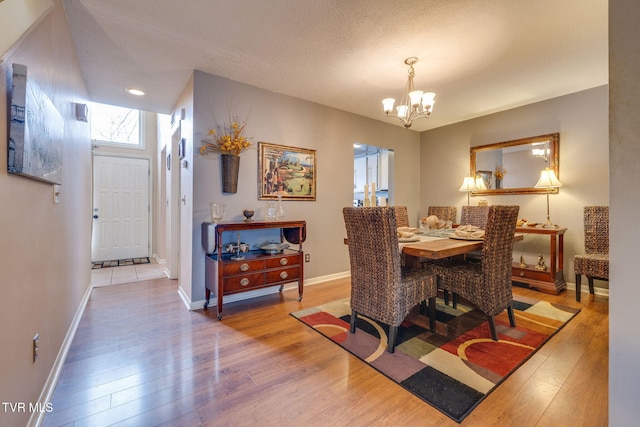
<point x="479" y="56"/>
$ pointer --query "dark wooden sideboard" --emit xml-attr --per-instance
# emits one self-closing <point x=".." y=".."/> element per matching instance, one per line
<point x="259" y="269"/>
<point x="551" y="280"/>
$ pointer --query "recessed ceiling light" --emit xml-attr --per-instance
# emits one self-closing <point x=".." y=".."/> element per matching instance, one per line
<point x="134" y="91"/>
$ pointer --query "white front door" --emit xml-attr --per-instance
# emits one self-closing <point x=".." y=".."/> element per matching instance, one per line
<point x="120" y="208"/>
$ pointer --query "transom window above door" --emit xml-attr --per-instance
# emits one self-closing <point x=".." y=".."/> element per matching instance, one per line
<point x="113" y="125"/>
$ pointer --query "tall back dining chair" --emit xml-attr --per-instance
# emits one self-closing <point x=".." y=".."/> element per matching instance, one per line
<point x="380" y="288"/>
<point x="402" y="216"/>
<point x="486" y="284"/>
<point x="474" y="215"/>
<point x="445" y="213"/>
<point x="595" y="262"/>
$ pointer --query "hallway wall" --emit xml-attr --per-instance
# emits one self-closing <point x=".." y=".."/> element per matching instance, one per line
<point x="45" y="247"/>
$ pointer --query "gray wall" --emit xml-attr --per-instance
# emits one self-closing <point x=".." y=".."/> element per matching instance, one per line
<point x="45" y="248"/>
<point x="280" y="119"/>
<point x="582" y="121"/>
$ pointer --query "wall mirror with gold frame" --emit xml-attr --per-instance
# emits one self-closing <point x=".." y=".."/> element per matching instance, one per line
<point x="513" y="167"/>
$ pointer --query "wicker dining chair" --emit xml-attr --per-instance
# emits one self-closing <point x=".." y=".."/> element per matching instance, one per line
<point x="486" y="284"/>
<point x="402" y="216"/>
<point x="445" y="213"/>
<point x="474" y="215"/>
<point x="595" y="262"/>
<point x="380" y="288"/>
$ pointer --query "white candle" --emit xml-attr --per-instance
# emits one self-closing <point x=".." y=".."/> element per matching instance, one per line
<point x="366" y="191"/>
<point x="373" y="194"/>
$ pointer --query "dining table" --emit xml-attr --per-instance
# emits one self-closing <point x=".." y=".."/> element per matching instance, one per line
<point x="438" y="244"/>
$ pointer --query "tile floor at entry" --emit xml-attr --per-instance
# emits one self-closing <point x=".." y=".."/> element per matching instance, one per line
<point x="127" y="274"/>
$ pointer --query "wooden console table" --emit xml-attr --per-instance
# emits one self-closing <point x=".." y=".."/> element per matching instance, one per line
<point x="551" y="280"/>
<point x="258" y="269"/>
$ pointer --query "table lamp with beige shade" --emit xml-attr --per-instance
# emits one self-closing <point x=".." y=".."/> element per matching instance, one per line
<point x="548" y="180"/>
<point x="468" y="185"/>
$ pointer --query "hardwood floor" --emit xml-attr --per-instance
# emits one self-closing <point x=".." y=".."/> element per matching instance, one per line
<point x="139" y="358"/>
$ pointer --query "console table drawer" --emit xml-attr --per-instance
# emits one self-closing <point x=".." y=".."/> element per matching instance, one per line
<point x="285" y="274"/>
<point x="524" y="273"/>
<point x="240" y="267"/>
<point x="243" y="282"/>
<point x="283" y="261"/>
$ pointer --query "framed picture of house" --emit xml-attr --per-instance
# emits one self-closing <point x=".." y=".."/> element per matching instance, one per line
<point x="36" y="130"/>
<point x="288" y="172"/>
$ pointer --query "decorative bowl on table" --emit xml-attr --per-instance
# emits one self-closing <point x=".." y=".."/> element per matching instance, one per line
<point x="248" y="213"/>
<point x="274" y="248"/>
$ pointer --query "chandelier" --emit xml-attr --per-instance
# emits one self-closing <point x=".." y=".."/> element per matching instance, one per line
<point x="415" y="104"/>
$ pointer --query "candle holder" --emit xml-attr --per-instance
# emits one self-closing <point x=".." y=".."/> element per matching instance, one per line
<point x="237" y="256"/>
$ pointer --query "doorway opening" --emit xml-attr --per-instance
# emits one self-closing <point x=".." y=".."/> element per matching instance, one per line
<point x="372" y="172"/>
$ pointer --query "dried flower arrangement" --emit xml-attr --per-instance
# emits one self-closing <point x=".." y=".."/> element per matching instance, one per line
<point x="227" y="139"/>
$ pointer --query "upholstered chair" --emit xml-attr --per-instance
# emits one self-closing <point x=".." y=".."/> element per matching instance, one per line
<point x="595" y="262"/>
<point x="402" y="216"/>
<point x="445" y="213"/>
<point x="486" y="284"/>
<point x="380" y="288"/>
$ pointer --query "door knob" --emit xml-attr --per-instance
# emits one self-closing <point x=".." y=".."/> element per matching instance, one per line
<point x="95" y="217"/>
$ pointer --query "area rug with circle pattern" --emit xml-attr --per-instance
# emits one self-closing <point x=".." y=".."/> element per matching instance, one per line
<point x="456" y="367"/>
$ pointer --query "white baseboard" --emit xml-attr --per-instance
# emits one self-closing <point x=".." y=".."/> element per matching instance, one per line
<point x="37" y="417"/>
<point x="585" y="289"/>
<point x="184" y="298"/>
<point x="158" y="259"/>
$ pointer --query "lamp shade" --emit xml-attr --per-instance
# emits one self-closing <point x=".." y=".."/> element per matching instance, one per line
<point x="480" y="185"/>
<point x="403" y="111"/>
<point x="548" y="179"/>
<point x="428" y="99"/>
<point x="387" y="104"/>
<point x="416" y="98"/>
<point x="469" y="184"/>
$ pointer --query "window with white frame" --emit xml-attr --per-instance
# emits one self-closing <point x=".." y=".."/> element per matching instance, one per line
<point x="116" y="125"/>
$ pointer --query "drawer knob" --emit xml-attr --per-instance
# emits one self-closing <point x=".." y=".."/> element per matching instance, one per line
<point x="244" y="281"/>
<point x="284" y="261"/>
<point x="284" y="275"/>
<point x="244" y="266"/>
<point x="522" y="274"/>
